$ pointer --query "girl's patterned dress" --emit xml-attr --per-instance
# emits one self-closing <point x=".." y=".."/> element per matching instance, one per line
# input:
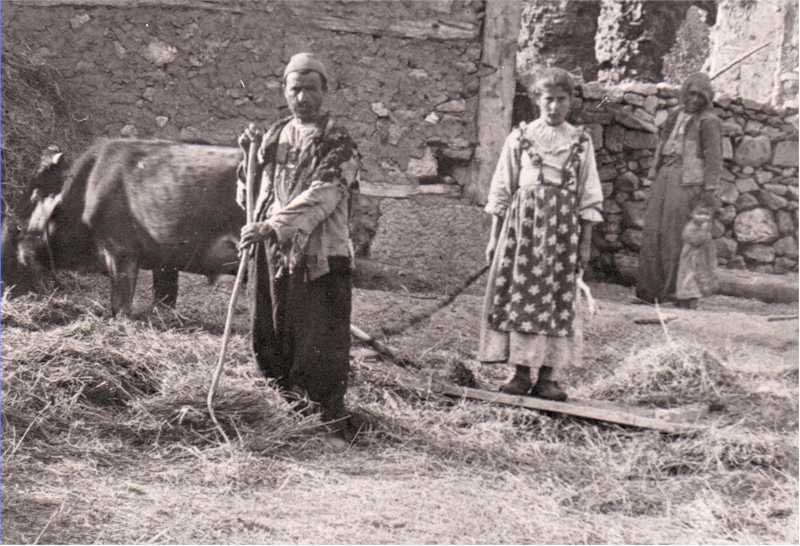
<point x="545" y="183"/>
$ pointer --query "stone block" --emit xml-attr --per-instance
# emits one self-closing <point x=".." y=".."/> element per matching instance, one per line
<point x="727" y="175"/>
<point x="633" y="214"/>
<point x="727" y="214"/>
<point x="745" y="185"/>
<point x="632" y="238"/>
<point x="764" y="268"/>
<point x="425" y="167"/>
<point x="771" y="201"/>
<point x="129" y="130"/>
<point x="746" y="201"/>
<point x="611" y="207"/>
<point x="379" y="110"/>
<point x="589" y="116"/>
<point x="638" y="120"/>
<point x="787" y="222"/>
<point x="636" y="140"/>
<point x="633" y="98"/>
<point x="726" y="248"/>
<point x="160" y="53"/>
<point x="763" y="254"/>
<point x="737" y="262"/>
<point x="607" y="172"/>
<point x="727" y="148"/>
<point x="785" y="154"/>
<point x="454" y="106"/>
<point x="79" y="20"/>
<point x="747" y="169"/>
<point x="717" y="229"/>
<point x="785" y="265"/>
<point x="593" y="90"/>
<point x="731" y="128"/>
<point x="628" y="181"/>
<point x="641" y="88"/>
<point x="791" y="192"/>
<point x="596" y="132"/>
<point x="752" y="105"/>
<point x="756" y="226"/>
<point x="639" y="195"/>
<point x="608" y="188"/>
<point x="667" y="90"/>
<point x="661" y="117"/>
<point x="753" y="151"/>
<point x="651" y="104"/>
<point x="764" y="177"/>
<point x="614" y="137"/>
<point x="753" y="127"/>
<point x="786" y="246"/>
<point x="728" y="193"/>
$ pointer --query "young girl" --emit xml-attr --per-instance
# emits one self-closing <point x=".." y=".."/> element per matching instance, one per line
<point x="544" y="197"/>
<point x="698" y="262"/>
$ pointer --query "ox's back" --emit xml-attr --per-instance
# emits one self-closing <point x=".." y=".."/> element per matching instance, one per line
<point x="164" y="202"/>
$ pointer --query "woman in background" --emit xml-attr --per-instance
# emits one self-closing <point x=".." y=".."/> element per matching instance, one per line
<point x="685" y="174"/>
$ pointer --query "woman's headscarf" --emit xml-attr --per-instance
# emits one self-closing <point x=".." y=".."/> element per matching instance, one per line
<point x="701" y="83"/>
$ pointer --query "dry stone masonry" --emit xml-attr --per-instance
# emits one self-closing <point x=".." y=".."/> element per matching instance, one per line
<point x="756" y="227"/>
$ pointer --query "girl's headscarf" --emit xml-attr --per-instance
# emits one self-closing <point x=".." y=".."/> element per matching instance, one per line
<point x="700" y="82"/>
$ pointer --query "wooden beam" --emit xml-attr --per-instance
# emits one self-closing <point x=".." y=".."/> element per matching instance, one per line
<point x="359" y="16"/>
<point x="496" y="94"/>
<point x="208" y="5"/>
<point x="598" y="411"/>
<point x="322" y="15"/>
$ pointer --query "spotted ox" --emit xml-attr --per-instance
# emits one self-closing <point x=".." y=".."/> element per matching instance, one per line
<point x="152" y="204"/>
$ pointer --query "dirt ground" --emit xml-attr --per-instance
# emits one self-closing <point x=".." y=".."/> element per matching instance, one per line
<point x="426" y="469"/>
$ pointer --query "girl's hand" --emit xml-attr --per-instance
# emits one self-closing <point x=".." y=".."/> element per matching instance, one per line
<point x="490" y="248"/>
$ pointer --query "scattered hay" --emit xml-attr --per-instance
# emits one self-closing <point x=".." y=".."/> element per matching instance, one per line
<point x="50" y="390"/>
<point x="257" y="419"/>
<point x="34" y="313"/>
<point x="669" y="374"/>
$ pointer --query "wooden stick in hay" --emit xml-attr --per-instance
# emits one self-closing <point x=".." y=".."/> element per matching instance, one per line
<point x="250" y="192"/>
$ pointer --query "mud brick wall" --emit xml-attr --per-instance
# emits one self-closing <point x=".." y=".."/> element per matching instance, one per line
<point x="405" y="74"/>
<point x="756" y="227"/>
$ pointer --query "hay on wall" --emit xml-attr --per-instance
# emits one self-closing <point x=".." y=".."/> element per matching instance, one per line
<point x="37" y="112"/>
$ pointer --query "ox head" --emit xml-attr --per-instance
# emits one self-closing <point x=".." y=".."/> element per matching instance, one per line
<point x="43" y="196"/>
<point x="53" y="236"/>
<point x="33" y="243"/>
<point x="49" y="176"/>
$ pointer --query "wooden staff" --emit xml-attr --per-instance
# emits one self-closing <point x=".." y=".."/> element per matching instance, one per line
<point x="250" y="192"/>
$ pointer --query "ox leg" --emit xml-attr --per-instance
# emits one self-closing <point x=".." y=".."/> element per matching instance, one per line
<point x="124" y="272"/>
<point x="165" y="287"/>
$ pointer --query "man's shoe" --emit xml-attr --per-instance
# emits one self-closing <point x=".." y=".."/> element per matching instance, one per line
<point x="520" y="384"/>
<point x="549" y="390"/>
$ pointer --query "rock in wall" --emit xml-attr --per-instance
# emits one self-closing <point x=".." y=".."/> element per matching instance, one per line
<point x="756" y="227"/>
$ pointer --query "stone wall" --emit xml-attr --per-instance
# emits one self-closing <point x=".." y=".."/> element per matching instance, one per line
<point x="405" y="74"/>
<point x="756" y="227"/>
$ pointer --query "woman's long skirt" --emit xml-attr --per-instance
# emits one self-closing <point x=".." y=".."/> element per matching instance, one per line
<point x="668" y="209"/>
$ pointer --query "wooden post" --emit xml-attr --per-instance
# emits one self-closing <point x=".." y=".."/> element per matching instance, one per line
<point x="496" y="96"/>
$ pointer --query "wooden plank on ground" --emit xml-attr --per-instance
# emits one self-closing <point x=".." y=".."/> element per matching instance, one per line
<point x="578" y="408"/>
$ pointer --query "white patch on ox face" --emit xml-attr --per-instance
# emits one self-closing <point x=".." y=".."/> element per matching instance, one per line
<point x="41" y="215"/>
